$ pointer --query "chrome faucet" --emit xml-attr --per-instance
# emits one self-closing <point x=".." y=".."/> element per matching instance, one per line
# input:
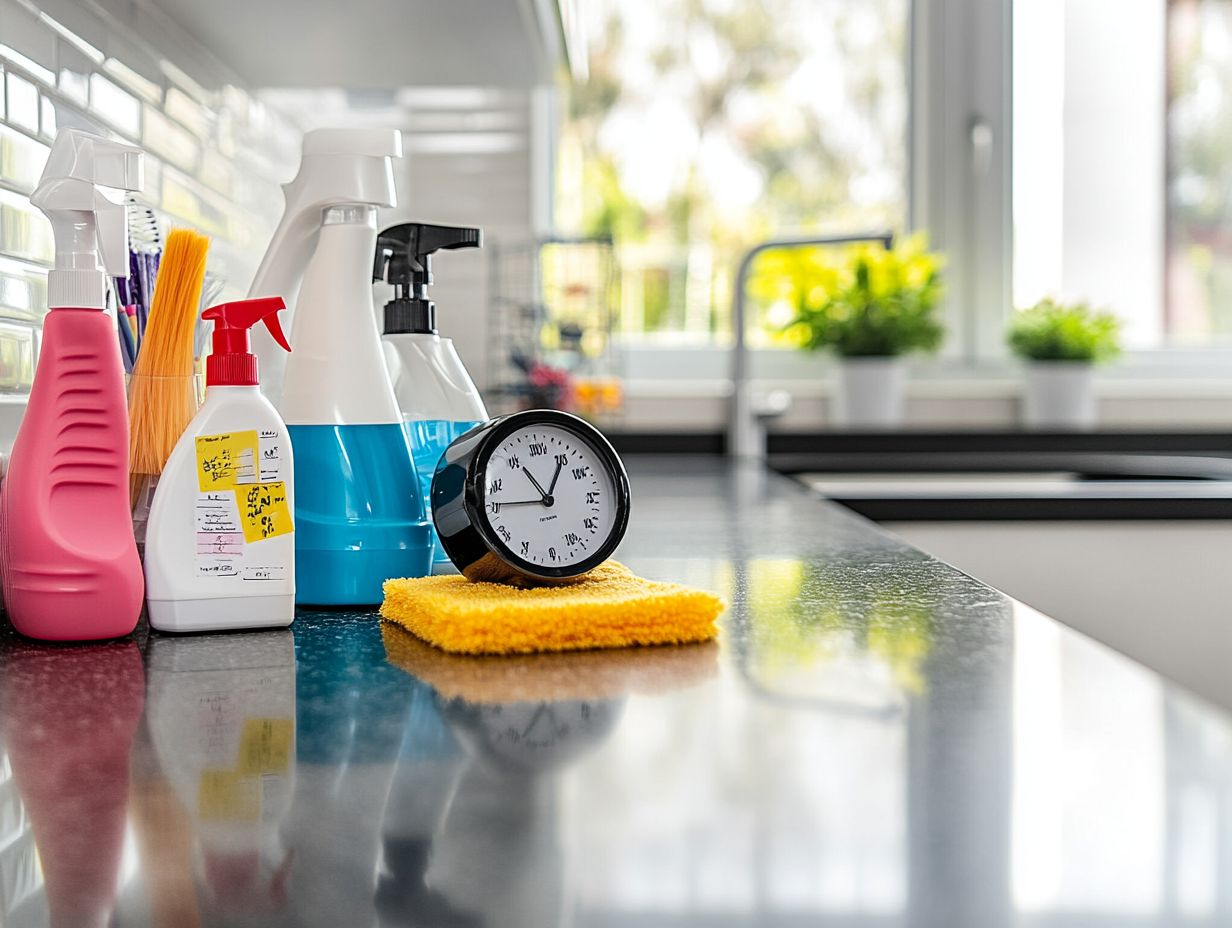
<point x="746" y="423"/>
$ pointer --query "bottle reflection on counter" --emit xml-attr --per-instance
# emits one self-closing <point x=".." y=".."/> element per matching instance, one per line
<point x="448" y="802"/>
<point x="69" y="716"/>
<point x="164" y="834"/>
<point x="469" y="832"/>
<point x="429" y="763"/>
<point x="352" y="708"/>
<point x="221" y="718"/>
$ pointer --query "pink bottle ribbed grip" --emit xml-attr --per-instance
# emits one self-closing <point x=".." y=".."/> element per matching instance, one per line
<point x="67" y="556"/>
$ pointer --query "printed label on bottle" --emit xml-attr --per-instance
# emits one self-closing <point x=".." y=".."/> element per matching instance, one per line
<point x="269" y="449"/>
<point x="265" y="573"/>
<point x="243" y="501"/>
<point x="226" y="461"/>
<point x="264" y="511"/>
<point x="220" y="538"/>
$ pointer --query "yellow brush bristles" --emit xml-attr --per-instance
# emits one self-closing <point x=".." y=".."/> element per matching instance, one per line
<point x="162" y="397"/>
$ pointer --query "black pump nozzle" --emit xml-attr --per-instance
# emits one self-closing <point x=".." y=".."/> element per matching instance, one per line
<point x="404" y="258"/>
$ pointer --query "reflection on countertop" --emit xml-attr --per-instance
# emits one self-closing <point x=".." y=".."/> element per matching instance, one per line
<point x="876" y="740"/>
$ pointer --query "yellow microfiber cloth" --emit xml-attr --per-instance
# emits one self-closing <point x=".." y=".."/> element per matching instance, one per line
<point x="610" y="607"/>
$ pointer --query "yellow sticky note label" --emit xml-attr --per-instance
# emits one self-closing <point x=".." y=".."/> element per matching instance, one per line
<point x="226" y="461"/>
<point x="265" y="746"/>
<point x="264" y="512"/>
<point x="227" y="796"/>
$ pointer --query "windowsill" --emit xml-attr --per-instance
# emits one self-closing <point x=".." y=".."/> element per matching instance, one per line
<point x="687" y="390"/>
<point x="705" y="371"/>
<point x="985" y="386"/>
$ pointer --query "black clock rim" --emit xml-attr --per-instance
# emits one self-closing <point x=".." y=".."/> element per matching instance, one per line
<point x="474" y="496"/>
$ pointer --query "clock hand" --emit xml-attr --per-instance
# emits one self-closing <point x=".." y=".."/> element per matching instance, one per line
<point x="531" y="476"/>
<point x="555" y="477"/>
<point x="521" y="502"/>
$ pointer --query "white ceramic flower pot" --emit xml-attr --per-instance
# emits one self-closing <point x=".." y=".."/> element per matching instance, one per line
<point x="1059" y="395"/>
<point x="871" y="392"/>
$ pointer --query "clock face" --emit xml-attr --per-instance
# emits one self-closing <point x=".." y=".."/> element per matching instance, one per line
<point x="550" y="496"/>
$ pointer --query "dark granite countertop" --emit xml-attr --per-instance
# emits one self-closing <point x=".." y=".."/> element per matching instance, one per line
<point x="876" y="740"/>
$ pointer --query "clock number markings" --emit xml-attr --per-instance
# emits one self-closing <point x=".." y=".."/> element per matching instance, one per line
<point x="523" y="534"/>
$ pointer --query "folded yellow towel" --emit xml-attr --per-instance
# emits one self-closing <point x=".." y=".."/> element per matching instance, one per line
<point x="608" y="608"/>
<point x="605" y="674"/>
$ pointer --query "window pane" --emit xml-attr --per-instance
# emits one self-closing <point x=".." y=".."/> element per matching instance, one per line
<point x="1089" y="144"/>
<point x="705" y="126"/>
<point x="1200" y="170"/>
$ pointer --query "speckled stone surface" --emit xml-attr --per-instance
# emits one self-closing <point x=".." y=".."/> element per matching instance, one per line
<point x="876" y="740"/>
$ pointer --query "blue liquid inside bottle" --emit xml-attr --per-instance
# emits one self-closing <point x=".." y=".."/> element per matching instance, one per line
<point x="357" y="520"/>
<point x="429" y="439"/>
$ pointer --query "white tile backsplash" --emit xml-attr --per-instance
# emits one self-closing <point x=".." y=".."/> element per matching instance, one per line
<point x="215" y="156"/>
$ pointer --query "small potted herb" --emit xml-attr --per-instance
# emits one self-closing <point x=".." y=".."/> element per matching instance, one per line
<point x="1062" y="343"/>
<point x="871" y="309"/>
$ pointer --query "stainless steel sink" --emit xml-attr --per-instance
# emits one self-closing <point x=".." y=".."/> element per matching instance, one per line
<point x="984" y="486"/>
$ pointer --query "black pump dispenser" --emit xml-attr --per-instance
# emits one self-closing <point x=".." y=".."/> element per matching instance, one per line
<point x="404" y="258"/>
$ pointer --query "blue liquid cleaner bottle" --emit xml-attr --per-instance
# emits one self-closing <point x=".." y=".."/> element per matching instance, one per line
<point x="359" y="519"/>
<point x="436" y="395"/>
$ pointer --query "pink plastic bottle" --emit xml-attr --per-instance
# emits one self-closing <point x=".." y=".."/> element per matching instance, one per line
<point x="68" y="560"/>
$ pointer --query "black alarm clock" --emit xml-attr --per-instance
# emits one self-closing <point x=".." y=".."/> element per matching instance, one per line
<point x="535" y="496"/>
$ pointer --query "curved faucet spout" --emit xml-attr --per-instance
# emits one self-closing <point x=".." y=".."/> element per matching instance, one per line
<point x="746" y="434"/>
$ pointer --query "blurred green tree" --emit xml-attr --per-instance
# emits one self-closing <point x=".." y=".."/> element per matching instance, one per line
<point x="765" y="116"/>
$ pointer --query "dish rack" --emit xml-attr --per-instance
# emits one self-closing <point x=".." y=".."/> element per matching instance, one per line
<point x="551" y="313"/>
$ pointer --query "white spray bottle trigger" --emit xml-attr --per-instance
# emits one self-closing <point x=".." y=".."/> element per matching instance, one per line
<point x="339" y="167"/>
<point x="111" y="227"/>
<point x="84" y="156"/>
<point x="88" y="226"/>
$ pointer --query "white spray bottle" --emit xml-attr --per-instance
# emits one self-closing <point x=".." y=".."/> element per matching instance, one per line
<point x="338" y="167"/>
<point x="219" y="551"/>
<point x="359" y="516"/>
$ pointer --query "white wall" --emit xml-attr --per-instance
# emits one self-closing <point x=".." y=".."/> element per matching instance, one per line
<point x="1160" y="592"/>
<point x="215" y="155"/>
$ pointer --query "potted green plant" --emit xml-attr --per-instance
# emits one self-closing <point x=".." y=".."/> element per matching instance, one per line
<point x="871" y="308"/>
<point x="1062" y="343"/>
